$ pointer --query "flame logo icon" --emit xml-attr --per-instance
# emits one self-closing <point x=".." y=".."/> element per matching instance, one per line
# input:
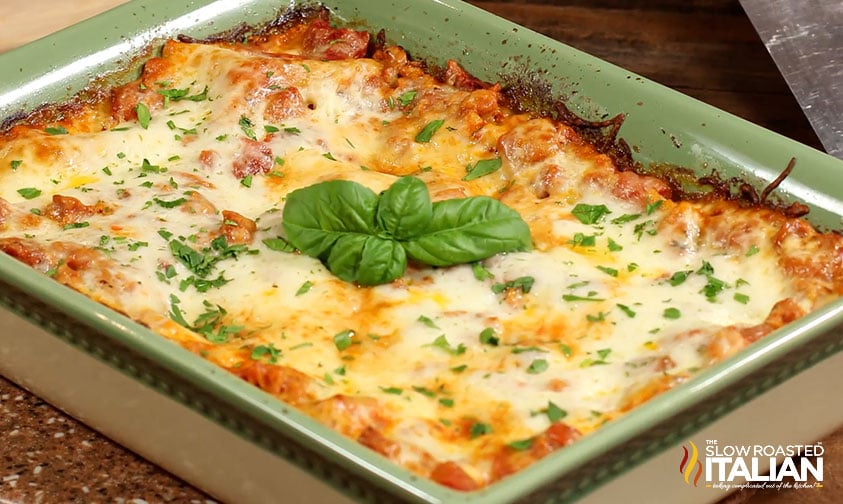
<point x="690" y="462"/>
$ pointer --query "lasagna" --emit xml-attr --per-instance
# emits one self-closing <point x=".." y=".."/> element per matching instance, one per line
<point x="171" y="200"/>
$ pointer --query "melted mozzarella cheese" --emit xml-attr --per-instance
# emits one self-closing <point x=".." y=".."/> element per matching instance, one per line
<point x="613" y="308"/>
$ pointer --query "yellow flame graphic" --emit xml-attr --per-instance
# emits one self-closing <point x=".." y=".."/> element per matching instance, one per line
<point x="689" y="468"/>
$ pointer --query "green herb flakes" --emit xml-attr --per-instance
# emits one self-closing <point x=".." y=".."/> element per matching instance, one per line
<point x="144" y="117"/>
<point x="482" y="168"/>
<point x="429" y="129"/>
<point x="305" y="288"/>
<point x="342" y="340"/>
<point x="29" y="192"/>
<point x="590" y="214"/>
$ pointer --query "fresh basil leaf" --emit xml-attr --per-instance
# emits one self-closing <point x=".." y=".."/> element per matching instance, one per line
<point x="367" y="260"/>
<point x="404" y="209"/>
<point x="315" y="217"/>
<point x="482" y="168"/>
<point x="469" y="229"/>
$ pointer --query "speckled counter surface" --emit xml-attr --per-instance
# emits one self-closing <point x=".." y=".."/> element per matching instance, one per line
<point x="46" y="456"/>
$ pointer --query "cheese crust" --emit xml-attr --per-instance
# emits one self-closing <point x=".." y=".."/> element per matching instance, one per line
<point x="163" y="200"/>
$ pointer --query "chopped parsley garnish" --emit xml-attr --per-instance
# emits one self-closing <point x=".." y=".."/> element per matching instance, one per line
<point x="538" y="366"/>
<point x="144" y="117"/>
<point x="29" y="192"/>
<point x="15" y="164"/>
<point x="521" y="445"/>
<point x="182" y="94"/>
<point x="425" y="391"/>
<point x="488" y="337"/>
<point x="600" y="360"/>
<point x="305" y="288"/>
<point x="57" y="130"/>
<point x="248" y="127"/>
<point x="342" y="339"/>
<point x="480" y="429"/>
<point x="278" y="244"/>
<point x="573" y="297"/>
<point x="482" y="168"/>
<point x="583" y="240"/>
<point x="209" y="324"/>
<point x="429" y="129"/>
<point x="520" y="350"/>
<point x="480" y="272"/>
<point x="77" y="225"/>
<point x="202" y="262"/>
<point x="646" y="227"/>
<point x="678" y="278"/>
<point x="705" y="269"/>
<point x="147" y="167"/>
<point x="713" y="287"/>
<point x="590" y="214"/>
<point x="623" y="219"/>
<point x="626" y="309"/>
<point x="609" y="271"/>
<point x="170" y="204"/>
<point x="614" y="246"/>
<point x="428" y="322"/>
<point x="672" y="313"/>
<point x="407" y="97"/>
<point x="652" y="207"/>
<point x="554" y="413"/>
<point x="266" y="351"/>
<point x="201" y="284"/>
<point x="442" y="343"/>
<point x="525" y="283"/>
<point x="392" y="390"/>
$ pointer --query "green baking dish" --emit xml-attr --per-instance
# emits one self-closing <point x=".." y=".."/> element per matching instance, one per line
<point x="664" y="126"/>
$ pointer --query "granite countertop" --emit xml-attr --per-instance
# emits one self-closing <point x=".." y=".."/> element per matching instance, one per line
<point x="46" y="456"/>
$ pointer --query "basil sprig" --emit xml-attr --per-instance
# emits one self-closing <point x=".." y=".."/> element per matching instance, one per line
<point x="368" y="238"/>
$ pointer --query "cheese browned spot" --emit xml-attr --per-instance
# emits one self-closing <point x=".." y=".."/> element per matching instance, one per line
<point x="463" y="374"/>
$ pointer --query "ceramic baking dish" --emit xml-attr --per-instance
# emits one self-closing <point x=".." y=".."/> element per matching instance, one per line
<point x="170" y="405"/>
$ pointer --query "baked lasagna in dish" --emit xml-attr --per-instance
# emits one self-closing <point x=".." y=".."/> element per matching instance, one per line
<point x="400" y="252"/>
